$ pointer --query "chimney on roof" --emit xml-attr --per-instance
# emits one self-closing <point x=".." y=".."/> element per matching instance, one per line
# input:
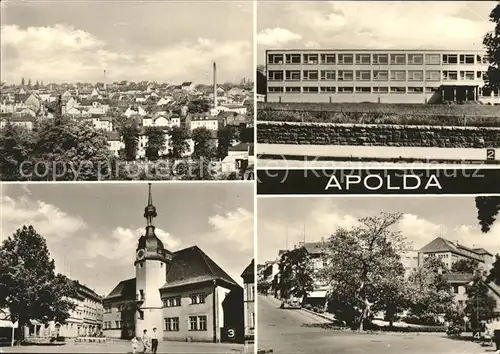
<point x="215" y="85"/>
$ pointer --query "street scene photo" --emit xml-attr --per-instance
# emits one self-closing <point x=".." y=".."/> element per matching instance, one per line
<point x="338" y="86"/>
<point x="381" y="275"/>
<point x="127" y="268"/>
<point x="89" y="91"/>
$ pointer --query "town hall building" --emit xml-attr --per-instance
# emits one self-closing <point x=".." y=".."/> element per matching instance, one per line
<point x="184" y="294"/>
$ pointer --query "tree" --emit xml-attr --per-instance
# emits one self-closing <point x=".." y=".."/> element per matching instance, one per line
<point x="178" y="142"/>
<point x="480" y="305"/>
<point x="224" y="137"/>
<point x="487" y="210"/>
<point x="247" y="135"/>
<point x="29" y="82"/>
<point x="22" y="82"/>
<point x="203" y="144"/>
<point x="494" y="275"/>
<point x="156" y="142"/>
<point x="16" y="146"/>
<point x="465" y="266"/>
<point x="432" y="294"/>
<point x="70" y="150"/>
<point x="130" y="137"/>
<point x="29" y="287"/>
<point x="296" y="274"/>
<point x="492" y="43"/>
<point x="363" y="263"/>
<point x="198" y="105"/>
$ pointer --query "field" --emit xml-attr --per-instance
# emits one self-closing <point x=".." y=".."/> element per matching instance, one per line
<point x="373" y="113"/>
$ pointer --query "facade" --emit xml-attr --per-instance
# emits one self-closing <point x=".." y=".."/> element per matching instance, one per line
<point x="184" y="294"/>
<point x="317" y="253"/>
<point x="378" y="76"/>
<point x="84" y="320"/>
<point x="409" y="259"/>
<point x="248" y="276"/>
<point x="449" y="252"/>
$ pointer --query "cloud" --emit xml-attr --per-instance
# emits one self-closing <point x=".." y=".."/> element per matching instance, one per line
<point x="63" y="53"/>
<point x="48" y="220"/>
<point x="277" y="37"/>
<point x="120" y="245"/>
<point x="233" y="228"/>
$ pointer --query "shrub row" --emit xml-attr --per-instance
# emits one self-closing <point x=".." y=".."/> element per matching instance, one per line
<point x="360" y="135"/>
<point x="375" y="328"/>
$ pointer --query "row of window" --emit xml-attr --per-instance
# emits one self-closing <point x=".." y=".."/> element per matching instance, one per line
<point x="195" y="323"/>
<point x="376" y="59"/>
<point x="351" y="89"/>
<point x="175" y="301"/>
<point x="375" y="75"/>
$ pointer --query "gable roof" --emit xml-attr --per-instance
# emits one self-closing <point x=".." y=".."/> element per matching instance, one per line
<point x="314" y="247"/>
<point x="248" y="274"/>
<point x="440" y="244"/>
<point x="125" y="290"/>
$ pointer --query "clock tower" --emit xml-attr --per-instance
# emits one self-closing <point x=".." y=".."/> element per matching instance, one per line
<point x="152" y="262"/>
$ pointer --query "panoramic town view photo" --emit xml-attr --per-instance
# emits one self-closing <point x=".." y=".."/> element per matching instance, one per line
<point x="418" y="83"/>
<point x="378" y="275"/>
<point x="89" y="92"/>
<point x="130" y="268"/>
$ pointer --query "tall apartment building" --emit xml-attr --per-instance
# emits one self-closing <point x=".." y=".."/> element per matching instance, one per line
<point x="378" y="76"/>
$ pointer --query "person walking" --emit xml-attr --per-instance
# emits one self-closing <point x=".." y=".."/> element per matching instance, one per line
<point x="145" y="341"/>
<point x="154" y="341"/>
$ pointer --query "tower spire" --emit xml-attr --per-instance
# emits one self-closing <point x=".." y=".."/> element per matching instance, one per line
<point x="150" y="210"/>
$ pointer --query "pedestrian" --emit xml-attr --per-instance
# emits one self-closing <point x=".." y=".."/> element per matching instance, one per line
<point x="134" y="341"/>
<point x="145" y="342"/>
<point x="154" y="341"/>
<point x="495" y="327"/>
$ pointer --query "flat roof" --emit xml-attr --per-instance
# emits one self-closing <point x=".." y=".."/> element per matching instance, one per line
<point x="377" y="50"/>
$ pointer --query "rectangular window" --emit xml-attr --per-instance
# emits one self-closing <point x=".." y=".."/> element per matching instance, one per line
<point x="346" y="59"/>
<point x="197" y="323"/>
<point x="432" y="59"/>
<point x="358" y="90"/>
<point x="310" y="89"/>
<point x="311" y="75"/>
<point x="172" y="324"/>
<point x="292" y="75"/>
<point x="197" y="298"/>
<point x="327" y="89"/>
<point x="415" y="90"/>
<point x="398" y="89"/>
<point x="381" y="90"/>
<point x="292" y="58"/>
<point x="466" y="59"/>
<point x="433" y="75"/>
<point x="118" y="324"/>
<point x="363" y="75"/>
<point x="479" y="74"/>
<point x="416" y="75"/>
<point x="345" y="75"/>
<point x="363" y="59"/>
<point x="275" y="89"/>
<point x="328" y="75"/>
<point x="398" y="75"/>
<point x="466" y="75"/>
<point x="174" y="301"/>
<point x="398" y="59"/>
<point x="346" y="89"/>
<point x="292" y="89"/>
<point x="275" y="75"/>
<point x="311" y="59"/>
<point x="450" y="59"/>
<point x="380" y="75"/>
<point x="415" y="59"/>
<point x="455" y="289"/>
<point x="275" y="59"/>
<point x="380" y="59"/>
<point x="327" y="58"/>
<point x="450" y="75"/>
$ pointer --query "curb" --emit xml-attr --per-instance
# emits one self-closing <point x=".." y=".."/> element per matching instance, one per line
<point x="264" y="351"/>
<point x="318" y="314"/>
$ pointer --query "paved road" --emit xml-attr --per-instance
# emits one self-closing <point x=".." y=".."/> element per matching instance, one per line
<point x="125" y="347"/>
<point x="284" y="332"/>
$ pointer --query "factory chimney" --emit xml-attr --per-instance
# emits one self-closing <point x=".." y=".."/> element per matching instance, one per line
<point x="104" y="79"/>
<point x="215" y="85"/>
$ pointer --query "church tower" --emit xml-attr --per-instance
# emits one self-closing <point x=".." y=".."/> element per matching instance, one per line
<point x="151" y="266"/>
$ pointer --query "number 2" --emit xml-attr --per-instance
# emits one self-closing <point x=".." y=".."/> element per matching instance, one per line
<point x="490" y="154"/>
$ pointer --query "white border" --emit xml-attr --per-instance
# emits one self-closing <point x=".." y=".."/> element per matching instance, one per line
<point x="255" y="224"/>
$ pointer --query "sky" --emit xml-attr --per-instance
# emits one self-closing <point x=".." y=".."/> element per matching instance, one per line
<point x="372" y="25"/>
<point x="92" y="230"/>
<point x="424" y="218"/>
<point x="63" y="41"/>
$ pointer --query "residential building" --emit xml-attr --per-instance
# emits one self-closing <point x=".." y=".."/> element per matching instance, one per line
<point x="194" y="121"/>
<point x="317" y="252"/>
<point x="238" y="158"/>
<point x="248" y="276"/>
<point x="233" y="107"/>
<point x="383" y="76"/>
<point x="449" y="252"/>
<point x="184" y="294"/>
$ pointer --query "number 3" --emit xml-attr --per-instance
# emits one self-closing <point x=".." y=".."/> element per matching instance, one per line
<point x="230" y="333"/>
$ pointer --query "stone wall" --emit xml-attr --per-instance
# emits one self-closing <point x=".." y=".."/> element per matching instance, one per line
<point x="377" y="135"/>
